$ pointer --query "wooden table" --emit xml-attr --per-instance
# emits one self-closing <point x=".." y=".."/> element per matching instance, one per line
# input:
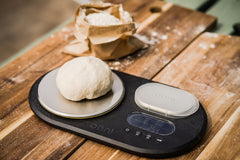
<point x="181" y="54"/>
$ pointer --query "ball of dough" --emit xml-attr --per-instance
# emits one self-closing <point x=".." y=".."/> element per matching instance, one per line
<point x="84" y="77"/>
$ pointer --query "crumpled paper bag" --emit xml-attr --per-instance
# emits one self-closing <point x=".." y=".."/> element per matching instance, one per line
<point x="104" y="42"/>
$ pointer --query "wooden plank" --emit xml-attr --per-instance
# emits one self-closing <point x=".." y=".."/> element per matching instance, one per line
<point x="16" y="143"/>
<point x="17" y="78"/>
<point x="216" y="57"/>
<point x="59" y="145"/>
<point x="226" y="142"/>
<point x="29" y="138"/>
<point x="209" y="68"/>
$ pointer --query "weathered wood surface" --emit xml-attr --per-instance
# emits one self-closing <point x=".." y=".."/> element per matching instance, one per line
<point x="210" y="69"/>
<point x="170" y="31"/>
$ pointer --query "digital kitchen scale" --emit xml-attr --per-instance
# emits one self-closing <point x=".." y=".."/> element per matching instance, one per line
<point x="138" y="116"/>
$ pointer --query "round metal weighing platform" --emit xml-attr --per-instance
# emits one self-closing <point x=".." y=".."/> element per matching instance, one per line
<point x="52" y="100"/>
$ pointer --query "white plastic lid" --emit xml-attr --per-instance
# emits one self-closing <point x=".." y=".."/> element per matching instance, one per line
<point x="166" y="100"/>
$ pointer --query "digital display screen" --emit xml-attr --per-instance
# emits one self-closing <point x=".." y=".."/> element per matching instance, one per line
<point x="151" y="124"/>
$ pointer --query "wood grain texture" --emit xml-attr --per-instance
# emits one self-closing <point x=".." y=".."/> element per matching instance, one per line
<point x="225" y="143"/>
<point x="92" y="150"/>
<point x="16" y="143"/>
<point x="22" y="135"/>
<point x="57" y="146"/>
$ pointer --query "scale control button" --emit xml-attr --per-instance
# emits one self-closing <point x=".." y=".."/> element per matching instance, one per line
<point x="148" y="136"/>
<point x="158" y="140"/>
<point x="137" y="133"/>
<point x="127" y="129"/>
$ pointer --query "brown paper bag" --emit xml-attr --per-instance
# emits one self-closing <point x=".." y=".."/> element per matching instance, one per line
<point x="105" y="42"/>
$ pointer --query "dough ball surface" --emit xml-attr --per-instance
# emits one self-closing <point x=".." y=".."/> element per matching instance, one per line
<point x="84" y="77"/>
